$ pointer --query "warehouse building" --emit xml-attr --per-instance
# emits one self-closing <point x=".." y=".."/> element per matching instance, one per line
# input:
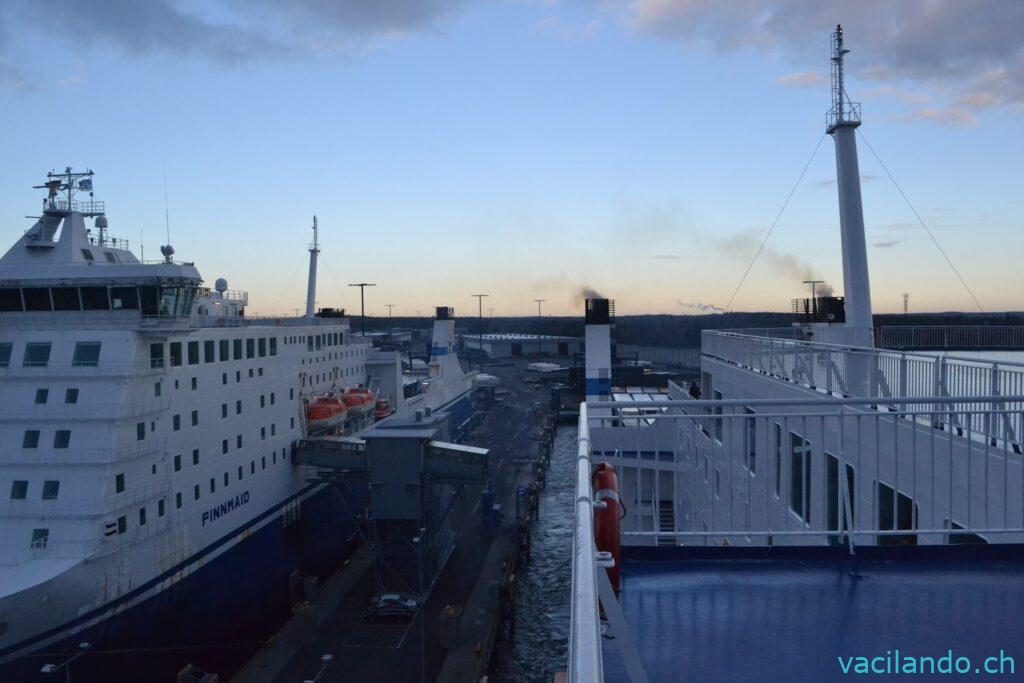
<point x="510" y="345"/>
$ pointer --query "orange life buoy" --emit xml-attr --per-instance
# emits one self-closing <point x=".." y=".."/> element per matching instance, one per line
<point x="605" y="484"/>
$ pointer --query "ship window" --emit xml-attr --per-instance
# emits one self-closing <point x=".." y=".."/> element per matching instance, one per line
<point x="156" y="355"/>
<point x="5" y="354"/>
<point x="124" y="298"/>
<point x="110" y="257"/>
<point x="213" y="484"/>
<point x="51" y="489"/>
<point x="273" y="346"/>
<point x="71" y="396"/>
<point x="238" y="441"/>
<point x="142" y="516"/>
<point x="195" y="418"/>
<point x="31" y="439"/>
<point x="87" y="254"/>
<point x="42" y="395"/>
<point x="177" y="463"/>
<point x="263" y="433"/>
<point x="800" y="476"/>
<point x="263" y="401"/>
<point x="961" y="539"/>
<point x="148" y="300"/>
<point x="778" y="460"/>
<point x="87" y="355"/>
<point x="62" y="438"/>
<point x="37" y="298"/>
<point x="122" y="524"/>
<point x="177" y="500"/>
<point x="177" y="422"/>
<point x="195" y="456"/>
<point x="224" y="446"/>
<point x="10" y="300"/>
<point x="262" y="346"/>
<point x="263" y="462"/>
<point x="236" y="345"/>
<point x="119" y="483"/>
<point x="95" y="299"/>
<point x="271" y="398"/>
<point x="37" y="354"/>
<point x="40" y="537"/>
<point x="319" y="341"/>
<point x="208" y="351"/>
<point x="896" y="512"/>
<point x="718" y="483"/>
<point x="309" y="342"/>
<point x="239" y="473"/>
<point x="168" y="300"/>
<point x="252" y="467"/>
<point x="193" y="353"/>
<point x="223" y="410"/>
<point x="250" y="348"/>
<point x="19" y="489"/>
<point x="225" y="350"/>
<point x="140" y="431"/>
<point x="195" y="383"/>
<point x="175" y="354"/>
<point x="195" y="491"/>
<point x="238" y="407"/>
<point x="160" y="508"/>
<point x="273" y="430"/>
<point x="65" y="299"/>
<point x="227" y="479"/>
<point x="223" y="378"/>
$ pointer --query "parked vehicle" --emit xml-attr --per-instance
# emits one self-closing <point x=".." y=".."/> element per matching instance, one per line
<point x="391" y="608"/>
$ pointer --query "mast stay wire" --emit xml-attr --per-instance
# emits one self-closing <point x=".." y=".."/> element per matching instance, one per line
<point x="775" y="222"/>
<point x="921" y="221"/>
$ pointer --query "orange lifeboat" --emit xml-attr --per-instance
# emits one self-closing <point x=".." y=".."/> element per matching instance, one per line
<point x="383" y="409"/>
<point x="359" y="400"/>
<point x="326" y="412"/>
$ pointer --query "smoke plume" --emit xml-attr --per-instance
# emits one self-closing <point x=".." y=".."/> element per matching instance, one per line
<point x="744" y="245"/>
<point x="697" y="306"/>
<point x="586" y="292"/>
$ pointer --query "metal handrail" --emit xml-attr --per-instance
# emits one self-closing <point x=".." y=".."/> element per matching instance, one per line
<point x="585" y="662"/>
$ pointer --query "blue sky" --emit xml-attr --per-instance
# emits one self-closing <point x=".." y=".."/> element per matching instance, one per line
<point x="527" y="149"/>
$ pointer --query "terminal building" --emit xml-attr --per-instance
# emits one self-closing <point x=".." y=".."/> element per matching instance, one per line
<point x="508" y="345"/>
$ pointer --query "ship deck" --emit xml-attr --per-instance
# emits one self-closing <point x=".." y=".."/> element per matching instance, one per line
<point x="777" y="614"/>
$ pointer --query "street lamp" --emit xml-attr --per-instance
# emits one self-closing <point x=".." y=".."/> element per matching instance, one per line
<point x="66" y="664"/>
<point x="480" y="313"/>
<point x="325" y="661"/>
<point x="362" y="304"/>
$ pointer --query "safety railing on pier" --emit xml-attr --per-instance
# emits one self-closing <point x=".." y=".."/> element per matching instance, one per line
<point x="838" y="370"/>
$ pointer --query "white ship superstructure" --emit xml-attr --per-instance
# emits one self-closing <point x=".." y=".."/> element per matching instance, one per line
<point x="146" y="432"/>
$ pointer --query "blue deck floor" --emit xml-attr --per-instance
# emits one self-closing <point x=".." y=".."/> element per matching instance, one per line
<point x="789" y="617"/>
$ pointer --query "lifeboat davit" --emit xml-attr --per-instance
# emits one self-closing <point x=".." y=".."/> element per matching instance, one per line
<point x="605" y="483"/>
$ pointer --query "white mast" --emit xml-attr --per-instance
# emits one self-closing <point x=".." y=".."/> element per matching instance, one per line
<point x="314" y="250"/>
<point x="842" y="122"/>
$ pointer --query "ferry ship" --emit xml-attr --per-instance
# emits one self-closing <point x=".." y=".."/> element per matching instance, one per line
<point x="151" y="510"/>
<point x="816" y="506"/>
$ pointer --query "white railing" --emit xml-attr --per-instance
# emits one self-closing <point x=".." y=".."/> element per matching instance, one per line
<point x="838" y="370"/>
<point x="660" y="354"/>
<point x="782" y="471"/>
<point x="952" y="337"/>
<point x="585" y="663"/>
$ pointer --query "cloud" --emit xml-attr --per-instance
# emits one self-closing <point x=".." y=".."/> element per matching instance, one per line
<point x="887" y="244"/>
<point x="955" y="117"/>
<point x="803" y="79"/>
<point x="556" y="27"/>
<point x="224" y="31"/>
<point x="697" y="306"/>
<point x="670" y="257"/>
<point x="968" y="53"/>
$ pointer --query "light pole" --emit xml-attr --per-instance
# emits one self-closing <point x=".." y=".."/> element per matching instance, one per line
<point x="66" y="664"/>
<point x="362" y="304"/>
<point x="492" y="311"/>
<point x="480" y="316"/>
<point x="539" y="320"/>
<point x="389" y="307"/>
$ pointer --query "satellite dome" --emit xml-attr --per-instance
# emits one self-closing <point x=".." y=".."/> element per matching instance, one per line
<point x="101" y="222"/>
<point x="221" y="285"/>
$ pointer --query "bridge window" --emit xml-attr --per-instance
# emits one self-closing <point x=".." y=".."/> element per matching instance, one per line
<point x="250" y="348"/>
<point x="124" y="298"/>
<point x="95" y="299"/>
<point x="236" y="345"/>
<point x="262" y="346"/>
<point x="273" y="346"/>
<point x="175" y="354"/>
<point x="37" y="354"/>
<point x="193" y="353"/>
<point x="42" y="395"/>
<point x="50" y="490"/>
<point x="87" y="254"/>
<point x="209" y="351"/>
<point x="148" y="297"/>
<point x="10" y="300"/>
<point x="31" y="439"/>
<point x="87" y="355"/>
<point x="37" y="298"/>
<point x="65" y="299"/>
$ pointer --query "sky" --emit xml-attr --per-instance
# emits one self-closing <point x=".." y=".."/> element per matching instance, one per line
<point x="529" y="149"/>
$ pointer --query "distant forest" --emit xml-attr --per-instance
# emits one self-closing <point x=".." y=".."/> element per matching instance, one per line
<point x="676" y="330"/>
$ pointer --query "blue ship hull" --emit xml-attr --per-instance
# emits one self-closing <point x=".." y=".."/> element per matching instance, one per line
<point x="218" y="616"/>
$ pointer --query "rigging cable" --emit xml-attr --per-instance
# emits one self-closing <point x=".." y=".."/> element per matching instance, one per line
<point x="775" y="223"/>
<point x="336" y="283"/>
<point x="285" y="290"/>
<point x="921" y="221"/>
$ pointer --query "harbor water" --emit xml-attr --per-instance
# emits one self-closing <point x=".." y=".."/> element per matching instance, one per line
<point x="537" y="647"/>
